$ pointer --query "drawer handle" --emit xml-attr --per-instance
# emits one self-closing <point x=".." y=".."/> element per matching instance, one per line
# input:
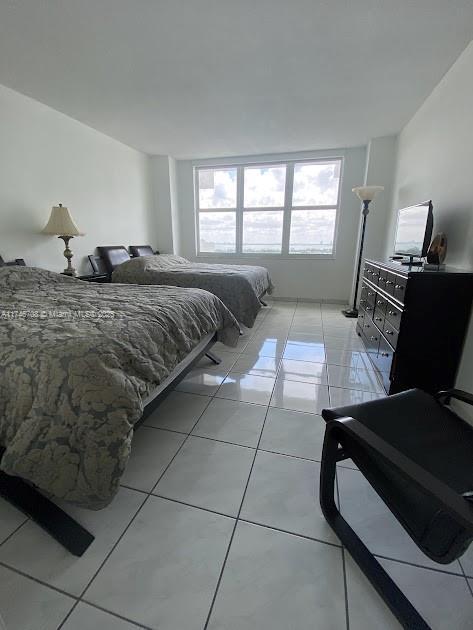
<point x="392" y="313"/>
<point x="385" y="354"/>
<point x="370" y="293"/>
<point x="372" y="338"/>
<point x="399" y="287"/>
<point x="380" y="302"/>
<point x="389" y="332"/>
<point x="382" y="279"/>
<point x="378" y="319"/>
<point x="369" y="308"/>
<point x="362" y="301"/>
<point x="389" y="282"/>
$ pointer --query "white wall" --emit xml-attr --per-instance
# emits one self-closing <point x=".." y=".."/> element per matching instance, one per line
<point x="162" y="196"/>
<point x="47" y="158"/>
<point x="328" y="279"/>
<point x="379" y="171"/>
<point x="435" y="161"/>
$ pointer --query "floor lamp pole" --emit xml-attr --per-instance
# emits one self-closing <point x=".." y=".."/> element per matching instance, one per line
<point x="353" y="312"/>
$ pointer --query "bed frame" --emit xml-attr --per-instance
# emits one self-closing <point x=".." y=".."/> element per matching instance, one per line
<point x="62" y="527"/>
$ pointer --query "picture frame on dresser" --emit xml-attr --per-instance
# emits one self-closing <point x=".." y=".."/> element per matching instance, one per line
<point x="413" y="323"/>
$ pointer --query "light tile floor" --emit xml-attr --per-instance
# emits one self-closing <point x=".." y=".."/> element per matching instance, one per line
<point x="218" y="524"/>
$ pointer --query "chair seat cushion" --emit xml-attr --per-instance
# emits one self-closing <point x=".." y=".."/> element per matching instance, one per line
<point x="435" y="438"/>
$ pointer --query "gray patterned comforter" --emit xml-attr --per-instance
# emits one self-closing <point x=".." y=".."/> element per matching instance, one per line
<point x="76" y="362"/>
<point x="238" y="286"/>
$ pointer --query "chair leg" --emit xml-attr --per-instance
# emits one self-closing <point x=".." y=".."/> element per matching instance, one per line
<point x="46" y="514"/>
<point x="395" y="599"/>
<point x="213" y="357"/>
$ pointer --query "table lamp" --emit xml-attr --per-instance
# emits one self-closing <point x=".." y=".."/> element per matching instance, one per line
<point x="62" y="225"/>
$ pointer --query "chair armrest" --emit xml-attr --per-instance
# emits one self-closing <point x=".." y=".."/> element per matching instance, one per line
<point x="459" y="394"/>
<point x="431" y="485"/>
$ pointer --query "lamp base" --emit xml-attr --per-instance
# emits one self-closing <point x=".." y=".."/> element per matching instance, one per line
<point x="350" y="312"/>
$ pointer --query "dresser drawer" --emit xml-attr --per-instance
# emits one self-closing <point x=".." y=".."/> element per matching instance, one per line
<point x="390" y="282"/>
<point x="368" y="327"/>
<point x="393" y="315"/>
<point x="372" y="341"/>
<point x="383" y="361"/>
<point x="361" y="317"/>
<point x="378" y="319"/>
<point x="383" y="276"/>
<point x="380" y="306"/>
<point x="371" y="272"/>
<point x="371" y="296"/>
<point x="390" y="333"/>
<point x="399" y="288"/>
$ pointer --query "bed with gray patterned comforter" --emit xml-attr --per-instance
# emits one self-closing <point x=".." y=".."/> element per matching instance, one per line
<point x="77" y="359"/>
<point x="238" y="286"/>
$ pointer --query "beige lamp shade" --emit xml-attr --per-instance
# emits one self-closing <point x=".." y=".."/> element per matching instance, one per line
<point x="367" y="193"/>
<point x="61" y="223"/>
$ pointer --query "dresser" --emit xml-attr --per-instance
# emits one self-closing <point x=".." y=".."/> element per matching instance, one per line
<point x="413" y="323"/>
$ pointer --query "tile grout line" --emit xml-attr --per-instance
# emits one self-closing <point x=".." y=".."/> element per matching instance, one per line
<point x="145" y="500"/>
<point x="238" y="518"/>
<point x="11" y="534"/>
<point x="224" y="564"/>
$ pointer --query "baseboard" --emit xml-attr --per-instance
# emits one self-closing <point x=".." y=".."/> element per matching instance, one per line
<point x="313" y="300"/>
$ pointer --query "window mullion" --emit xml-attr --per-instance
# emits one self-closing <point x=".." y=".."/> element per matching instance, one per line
<point x="287" y="207"/>
<point x="239" y="210"/>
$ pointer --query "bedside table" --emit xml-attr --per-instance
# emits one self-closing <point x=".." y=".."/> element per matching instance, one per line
<point x="94" y="277"/>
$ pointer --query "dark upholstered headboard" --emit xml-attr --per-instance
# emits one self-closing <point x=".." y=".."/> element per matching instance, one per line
<point x="141" y="250"/>
<point x="113" y="255"/>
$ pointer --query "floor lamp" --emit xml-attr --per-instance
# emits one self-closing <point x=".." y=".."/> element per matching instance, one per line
<point x="366" y="194"/>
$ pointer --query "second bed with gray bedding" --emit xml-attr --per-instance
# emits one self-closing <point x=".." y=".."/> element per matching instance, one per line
<point x="240" y="287"/>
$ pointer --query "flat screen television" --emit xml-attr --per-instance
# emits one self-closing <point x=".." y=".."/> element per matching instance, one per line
<point x="414" y="230"/>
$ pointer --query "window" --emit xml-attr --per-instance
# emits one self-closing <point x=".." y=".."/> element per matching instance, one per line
<point x="285" y="208"/>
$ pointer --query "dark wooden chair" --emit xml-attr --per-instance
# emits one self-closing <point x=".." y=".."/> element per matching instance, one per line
<point x="417" y="454"/>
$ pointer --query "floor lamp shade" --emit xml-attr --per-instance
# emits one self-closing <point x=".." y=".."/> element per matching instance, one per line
<point x="62" y="224"/>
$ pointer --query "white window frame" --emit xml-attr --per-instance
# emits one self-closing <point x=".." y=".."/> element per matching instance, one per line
<point x="286" y="208"/>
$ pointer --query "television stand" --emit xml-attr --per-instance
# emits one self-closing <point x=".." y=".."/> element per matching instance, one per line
<point x="411" y="262"/>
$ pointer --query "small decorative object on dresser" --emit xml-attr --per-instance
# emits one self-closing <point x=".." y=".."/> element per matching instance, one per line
<point x="413" y="323"/>
<point x="62" y="225"/>
<point x="365" y="194"/>
<point x="437" y="250"/>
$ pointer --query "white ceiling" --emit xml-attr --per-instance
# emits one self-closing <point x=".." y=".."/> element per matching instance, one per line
<point x="202" y="78"/>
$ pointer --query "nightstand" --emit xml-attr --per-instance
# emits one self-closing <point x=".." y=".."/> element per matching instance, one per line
<point x="94" y="277"/>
